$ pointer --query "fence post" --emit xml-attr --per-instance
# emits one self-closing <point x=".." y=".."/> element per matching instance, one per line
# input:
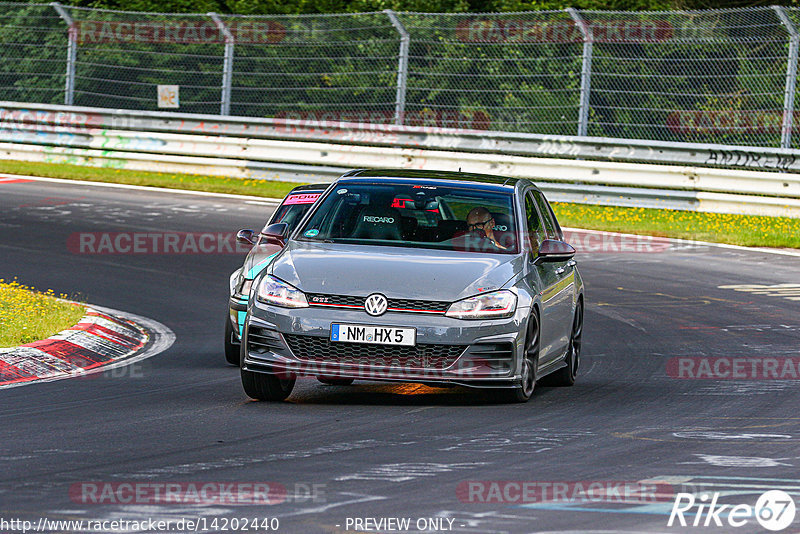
<point x="791" y="77"/>
<point x="586" y="70"/>
<point x="227" y="64"/>
<point x="402" y="67"/>
<point x="72" y="51"/>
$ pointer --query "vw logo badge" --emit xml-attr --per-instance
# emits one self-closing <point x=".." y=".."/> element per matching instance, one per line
<point x="376" y="304"/>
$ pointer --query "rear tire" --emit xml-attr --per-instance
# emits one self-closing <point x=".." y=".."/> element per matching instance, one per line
<point x="565" y="377"/>
<point x="231" y="350"/>
<point x="335" y="381"/>
<point x="524" y="391"/>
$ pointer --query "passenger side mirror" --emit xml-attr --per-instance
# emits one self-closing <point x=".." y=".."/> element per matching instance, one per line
<point x="245" y="237"/>
<point x="552" y="250"/>
<point x="276" y="232"/>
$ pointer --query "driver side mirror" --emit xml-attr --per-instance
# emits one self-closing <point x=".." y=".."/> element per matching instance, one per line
<point x="245" y="237"/>
<point x="276" y="232"/>
<point x="552" y="250"/>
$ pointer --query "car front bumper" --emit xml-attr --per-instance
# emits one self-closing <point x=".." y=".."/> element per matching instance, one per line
<point x="481" y="353"/>
<point x="237" y="311"/>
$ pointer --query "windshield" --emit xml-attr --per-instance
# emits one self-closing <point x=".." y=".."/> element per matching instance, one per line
<point x="438" y="217"/>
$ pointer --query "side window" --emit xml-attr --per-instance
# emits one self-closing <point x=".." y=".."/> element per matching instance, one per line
<point x="553" y="230"/>
<point x="535" y="229"/>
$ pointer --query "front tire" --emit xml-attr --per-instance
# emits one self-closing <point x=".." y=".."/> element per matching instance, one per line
<point x="524" y="391"/>
<point x="266" y="387"/>
<point x="565" y="377"/>
<point x="231" y="350"/>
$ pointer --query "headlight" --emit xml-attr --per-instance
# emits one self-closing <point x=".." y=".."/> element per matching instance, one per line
<point x="494" y="305"/>
<point x="279" y="293"/>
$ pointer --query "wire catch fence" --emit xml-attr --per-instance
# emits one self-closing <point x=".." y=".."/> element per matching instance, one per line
<point x="715" y="76"/>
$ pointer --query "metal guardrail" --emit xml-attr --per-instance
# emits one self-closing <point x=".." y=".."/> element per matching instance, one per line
<point x="42" y="119"/>
<point x="271" y="148"/>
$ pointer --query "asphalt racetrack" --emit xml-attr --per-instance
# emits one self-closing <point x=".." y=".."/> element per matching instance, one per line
<point x="642" y="414"/>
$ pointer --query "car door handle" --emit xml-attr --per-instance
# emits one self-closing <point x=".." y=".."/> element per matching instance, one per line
<point x="572" y="263"/>
<point x="560" y="270"/>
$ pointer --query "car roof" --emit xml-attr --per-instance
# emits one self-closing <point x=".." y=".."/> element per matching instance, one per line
<point x="310" y="187"/>
<point x="444" y="178"/>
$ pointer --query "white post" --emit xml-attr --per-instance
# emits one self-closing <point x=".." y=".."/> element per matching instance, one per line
<point x="227" y="64"/>
<point x="72" y="51"/>
<point x="586" y="71"/>
<point x="791" y="77"/>
<point x="402" y="67"/>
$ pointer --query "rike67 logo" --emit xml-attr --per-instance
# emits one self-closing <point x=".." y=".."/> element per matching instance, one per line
<point x="774" y="510"/>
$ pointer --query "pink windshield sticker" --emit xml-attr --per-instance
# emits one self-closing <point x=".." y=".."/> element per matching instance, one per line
<point x="309" y="198"/>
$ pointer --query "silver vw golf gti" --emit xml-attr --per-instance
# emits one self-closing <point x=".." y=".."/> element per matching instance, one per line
<point x="418" y="276"/>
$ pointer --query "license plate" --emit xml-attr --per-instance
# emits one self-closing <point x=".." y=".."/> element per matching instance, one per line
<point x="377" y="335"/>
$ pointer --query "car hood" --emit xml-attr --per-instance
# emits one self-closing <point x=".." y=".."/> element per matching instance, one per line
<point x="396" y="272"/>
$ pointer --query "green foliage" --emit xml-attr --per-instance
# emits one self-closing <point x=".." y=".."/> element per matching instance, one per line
<point x="264" y="7"/>
<point x="713" y="76"/>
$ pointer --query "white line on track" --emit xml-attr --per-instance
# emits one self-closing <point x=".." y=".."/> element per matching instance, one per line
<point x="264" y="200"/>
<point x="695" y="243"/>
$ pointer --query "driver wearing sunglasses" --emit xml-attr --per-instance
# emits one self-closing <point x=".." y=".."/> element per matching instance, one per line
<point x="480" y="219"/>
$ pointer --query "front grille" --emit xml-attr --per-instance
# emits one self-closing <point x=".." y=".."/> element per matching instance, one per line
<point x="423" y="356"/>
<point x="401" y="305"/>
<point x="261" y="340"/>
<point x="418" y="305"/>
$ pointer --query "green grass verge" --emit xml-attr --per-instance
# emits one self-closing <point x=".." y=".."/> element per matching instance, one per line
<point x="745" y="230"/>
<point x="27" y="315"/>
<point x="781" y="232"/>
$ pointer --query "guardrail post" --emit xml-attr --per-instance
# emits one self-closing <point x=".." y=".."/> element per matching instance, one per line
<point x="402" y="67"/>
<point x="227" y="65"/>
<point x="586" y="70"/>
<point x="791" y="77"/>
<point x="72" y="52"/>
